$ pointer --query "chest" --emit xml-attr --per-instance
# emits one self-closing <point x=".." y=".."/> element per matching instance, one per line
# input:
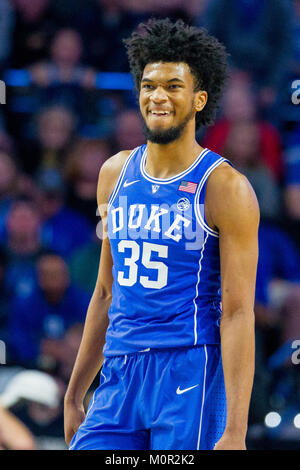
<point x="145" y="210"/>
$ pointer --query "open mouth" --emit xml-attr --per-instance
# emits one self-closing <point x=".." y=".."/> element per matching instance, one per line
<point x="159" y="113"/>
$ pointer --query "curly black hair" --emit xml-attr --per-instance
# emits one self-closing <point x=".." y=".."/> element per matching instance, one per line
<point x="161" y="40"/>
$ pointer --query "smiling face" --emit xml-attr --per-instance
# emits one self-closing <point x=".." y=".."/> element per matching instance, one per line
<point x="168" y="100"/>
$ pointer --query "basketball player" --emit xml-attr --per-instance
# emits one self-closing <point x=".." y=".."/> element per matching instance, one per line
<point x="178" y="357"/>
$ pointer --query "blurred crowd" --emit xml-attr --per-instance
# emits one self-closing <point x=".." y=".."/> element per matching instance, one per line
<point x="56" y="130"/>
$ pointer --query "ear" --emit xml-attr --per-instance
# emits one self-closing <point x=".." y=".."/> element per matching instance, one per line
<point x="200" y="100"/>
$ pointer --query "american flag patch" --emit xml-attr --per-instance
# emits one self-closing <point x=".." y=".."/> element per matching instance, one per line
<point x="188" y="187"/>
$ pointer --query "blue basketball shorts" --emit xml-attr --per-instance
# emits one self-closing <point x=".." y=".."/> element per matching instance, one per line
<point x="171" y="399"/>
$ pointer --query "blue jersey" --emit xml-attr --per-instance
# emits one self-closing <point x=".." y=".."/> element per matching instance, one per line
<point x="166" y="265"/>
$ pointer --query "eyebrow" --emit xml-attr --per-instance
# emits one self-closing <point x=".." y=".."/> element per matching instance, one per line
<point x="168" y="81"/>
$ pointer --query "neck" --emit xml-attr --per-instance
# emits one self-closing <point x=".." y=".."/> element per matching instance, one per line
<point x="165" y="161"/>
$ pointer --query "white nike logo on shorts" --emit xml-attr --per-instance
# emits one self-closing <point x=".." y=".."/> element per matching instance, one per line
<point x="130" y="183"/>
<point x="179" y="392"/>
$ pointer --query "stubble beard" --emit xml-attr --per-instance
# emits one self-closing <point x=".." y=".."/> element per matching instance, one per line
<point x="166" y="136"/>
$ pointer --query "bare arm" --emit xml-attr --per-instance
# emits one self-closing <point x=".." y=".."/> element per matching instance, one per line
<point x="235" y="212"/>
<point x="90" y="356"/>
<point x="14" y="435"/>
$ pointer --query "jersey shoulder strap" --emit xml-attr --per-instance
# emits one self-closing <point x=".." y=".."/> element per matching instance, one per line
<point x="127" y="169"/>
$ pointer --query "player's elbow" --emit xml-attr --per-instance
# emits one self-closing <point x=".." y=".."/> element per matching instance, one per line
<point x="103" y="293"/>
<point x="244" y="312"/>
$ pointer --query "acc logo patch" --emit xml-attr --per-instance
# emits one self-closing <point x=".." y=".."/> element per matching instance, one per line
<point x="183" y="204"/>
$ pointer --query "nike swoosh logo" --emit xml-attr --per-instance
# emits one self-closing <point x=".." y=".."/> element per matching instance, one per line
<point x="179" y="391"/>
<point x="130" y="183"/>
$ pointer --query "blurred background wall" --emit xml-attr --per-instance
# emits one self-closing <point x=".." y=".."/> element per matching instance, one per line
<point x="69" y="106"/>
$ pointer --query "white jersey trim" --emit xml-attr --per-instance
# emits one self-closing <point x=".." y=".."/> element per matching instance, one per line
<point x="173" y="178"/>
<point x="203" y="398"/>
<point x="197" y="292"/>
<point x="199" y="217"/>
<point x="121" y="177"/>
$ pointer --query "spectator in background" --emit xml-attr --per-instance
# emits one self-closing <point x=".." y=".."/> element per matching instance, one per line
<point x="296" y="38"/>
<point x="256" y="34"/>
<point x="39" y="321"/>
<point x="84" y="264"/>
<point x="7" y="144"/>
<point x="81" y="171"/>
<point x="68" y="349"/>
<point x="45" y="423"/>
<point x="55" y="128"/>
<point x="287" y="112"/>
<point x="3" y="295"/>
<point x="292" y="186"/>
<point x="8" y="178"/>
<point x="33" y="28"/>
<point x="6" y="29"/>
<point x="63" y="230"/>
<point x="292" y="176"/>
<point x="277" y="302"/>
<point x="277" y="305"/>
<point x="128" y="130"/>
<point x="23" y="246"/>
<point x="14" y="435"/>
<point x="174" y="9"/>
<point x="12" y="184"/>
<point x="278" y="259"/>
<point x="65" y="64"/>
<point x="242" y="149"/>
<point x="110" y="24"/>
<point x="22" y="391"/>
<point x="240" y="104"/>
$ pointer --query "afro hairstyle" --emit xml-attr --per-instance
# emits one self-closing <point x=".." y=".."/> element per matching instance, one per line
<point x="161" y="40"/>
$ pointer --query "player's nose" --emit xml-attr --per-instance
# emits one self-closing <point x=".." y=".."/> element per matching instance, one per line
<point x="159" y="95"/>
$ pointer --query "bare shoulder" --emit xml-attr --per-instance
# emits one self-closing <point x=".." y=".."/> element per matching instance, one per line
<point x="109" y="174"/>
<point x="230" y="198"/>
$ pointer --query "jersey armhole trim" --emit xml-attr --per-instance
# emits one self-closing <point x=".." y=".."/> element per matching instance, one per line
<point x="120" y="178"/>
<point x="199" y="217"/>
<point x="197" y="290"/>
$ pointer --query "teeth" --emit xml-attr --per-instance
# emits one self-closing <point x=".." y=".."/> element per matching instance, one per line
<point x="159" y="114"/>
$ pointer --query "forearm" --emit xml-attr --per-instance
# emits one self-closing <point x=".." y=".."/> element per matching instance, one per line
<point x="90" y="354"/>
<point x="238" y="357"/>
<point x="14" y="434"/>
